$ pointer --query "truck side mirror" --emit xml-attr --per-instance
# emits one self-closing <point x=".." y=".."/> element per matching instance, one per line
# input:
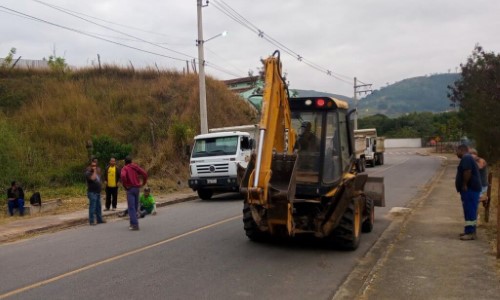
<point x="245" y="143"/>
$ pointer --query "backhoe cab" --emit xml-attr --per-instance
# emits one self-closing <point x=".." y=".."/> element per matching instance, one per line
<point x="303" y="179"/>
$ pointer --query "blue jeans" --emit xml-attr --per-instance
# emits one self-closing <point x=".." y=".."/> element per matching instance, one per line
<point x="133" y="205"/>
<point x="18" y="203"/>
<point x="470" y="201"/>
<point x="94" y="207"/>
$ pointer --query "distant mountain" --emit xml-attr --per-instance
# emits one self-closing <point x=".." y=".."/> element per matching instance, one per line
<point x="417" y="94"/>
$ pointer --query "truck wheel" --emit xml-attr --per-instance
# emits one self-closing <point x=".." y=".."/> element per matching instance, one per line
<point x="348" y="232"/>
<point x="363" y="165"/>
<point x="376" y="159"/>
<point x="251" y="229"/>
<point x="381" y="158"/>
<point x="205" y="194"/>
<point x="367" y="225"/>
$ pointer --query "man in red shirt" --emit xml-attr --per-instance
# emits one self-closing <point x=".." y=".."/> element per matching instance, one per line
<point x="130" y="180"/>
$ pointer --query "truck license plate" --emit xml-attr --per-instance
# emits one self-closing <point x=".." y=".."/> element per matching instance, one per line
<point x="211" y="181"/>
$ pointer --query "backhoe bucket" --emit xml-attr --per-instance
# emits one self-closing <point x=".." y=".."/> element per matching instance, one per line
<point x="282" y="184"/>
<point x="282" y="193"/>
<point x="375" y="189"/>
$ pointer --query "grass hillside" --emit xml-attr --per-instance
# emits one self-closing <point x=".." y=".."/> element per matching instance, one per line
<point x="46" y="119"/>
<point x="418" y="94"/>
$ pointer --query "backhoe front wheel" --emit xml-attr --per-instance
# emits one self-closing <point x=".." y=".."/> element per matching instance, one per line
<point x="348" y="232"/>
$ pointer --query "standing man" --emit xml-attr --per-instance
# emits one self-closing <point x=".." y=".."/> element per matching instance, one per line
<point x="130" y="180"/>
<point x="94" y="193"/>
<point x="15" y="199"/>
<point x="111" y="179"/>
<point x="468" y="184"/>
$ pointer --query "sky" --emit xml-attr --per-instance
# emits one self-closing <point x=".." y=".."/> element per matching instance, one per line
<point x="324" y="43"/>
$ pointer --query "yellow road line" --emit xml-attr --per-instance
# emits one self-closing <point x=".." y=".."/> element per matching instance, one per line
<point x="111" y="259"/>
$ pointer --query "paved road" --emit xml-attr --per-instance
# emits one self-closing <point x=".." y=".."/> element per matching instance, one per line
<point x="195" y="250"/>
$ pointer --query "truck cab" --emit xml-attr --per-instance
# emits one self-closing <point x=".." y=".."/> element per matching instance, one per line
<point x="215" y="160"/>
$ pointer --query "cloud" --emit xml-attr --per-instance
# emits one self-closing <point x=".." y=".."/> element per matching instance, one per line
<point x="376" y="41"/>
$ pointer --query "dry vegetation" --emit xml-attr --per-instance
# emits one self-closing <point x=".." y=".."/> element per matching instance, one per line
<point x="46" y="118"/>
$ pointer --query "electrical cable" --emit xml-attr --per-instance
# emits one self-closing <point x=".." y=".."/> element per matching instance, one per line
<point x="87" y="34"/>
<point x="109" y="28"/>
<point x="226" y="9"/>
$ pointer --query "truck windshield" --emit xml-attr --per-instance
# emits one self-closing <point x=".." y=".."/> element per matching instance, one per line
<point x="215" y="146"/>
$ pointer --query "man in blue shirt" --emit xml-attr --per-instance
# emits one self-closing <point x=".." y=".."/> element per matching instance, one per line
<point x="468" y="184"/>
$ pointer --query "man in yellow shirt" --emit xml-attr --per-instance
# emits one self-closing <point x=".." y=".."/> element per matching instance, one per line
<point x="111" y="179"/>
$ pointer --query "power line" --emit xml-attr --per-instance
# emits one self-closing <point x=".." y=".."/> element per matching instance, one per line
<point x="237" y="17"/>
<point x="96" y="36"/>
<point x="110" y="22"/>
<point x="109" y="28"/>
<point x="20" y="14"/>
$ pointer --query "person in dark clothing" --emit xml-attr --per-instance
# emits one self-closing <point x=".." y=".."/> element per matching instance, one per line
<point x="94" y="193"/>
<point x="483" y="170"/>
<point x="130" y="174"/>
<point x="15" y="199"/>
<point x="111" y="179"/>
<point x="307" y="140"/>
<point x="468" y="184"/>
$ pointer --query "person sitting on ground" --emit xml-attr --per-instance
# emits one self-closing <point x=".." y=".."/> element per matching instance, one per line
<point x="147" y="205"/>
<point x="15" y="199"/>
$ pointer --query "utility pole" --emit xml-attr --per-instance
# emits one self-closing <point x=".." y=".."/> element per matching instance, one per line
<point x="367" y="88"/>
<point x="201" y="66"/>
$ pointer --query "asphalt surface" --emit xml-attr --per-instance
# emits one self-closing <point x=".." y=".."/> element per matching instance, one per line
<point x="419" y="256"/>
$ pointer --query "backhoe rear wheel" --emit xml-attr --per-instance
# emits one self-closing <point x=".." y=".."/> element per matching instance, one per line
<point x="251" y="229"/>
<point x="348" y="232"/>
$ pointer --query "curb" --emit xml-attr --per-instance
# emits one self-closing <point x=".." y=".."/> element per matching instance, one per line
<point x="83" y="221"/>
<point x="364" y="272"/>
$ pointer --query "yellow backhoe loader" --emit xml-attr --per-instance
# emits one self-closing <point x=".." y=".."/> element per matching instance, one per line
<point x="302" y="177"/>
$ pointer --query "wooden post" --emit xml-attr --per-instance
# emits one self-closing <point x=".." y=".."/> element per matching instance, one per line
<point x="487" y="202"/>
<point x="498" y="219"/>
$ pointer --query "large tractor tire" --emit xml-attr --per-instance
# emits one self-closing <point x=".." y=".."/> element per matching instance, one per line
<point x="367" y="225"/>
<point x="205" y="194"/>
<point x="348" y="233"/>
<point x="251" y="229"/>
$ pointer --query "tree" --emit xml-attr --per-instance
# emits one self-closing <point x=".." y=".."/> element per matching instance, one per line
<point x="104" y="147"/>
<point x="57" y="63"/>
<point x="477" y="93"/>
<point x="7" y="61"/>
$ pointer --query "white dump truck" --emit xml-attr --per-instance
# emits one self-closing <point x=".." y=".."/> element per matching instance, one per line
<point x="369" y="148"/>
<point x="219" y="159"/>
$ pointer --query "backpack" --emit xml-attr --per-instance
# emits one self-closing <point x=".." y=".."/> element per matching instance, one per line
<point x="36" y="199"/>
